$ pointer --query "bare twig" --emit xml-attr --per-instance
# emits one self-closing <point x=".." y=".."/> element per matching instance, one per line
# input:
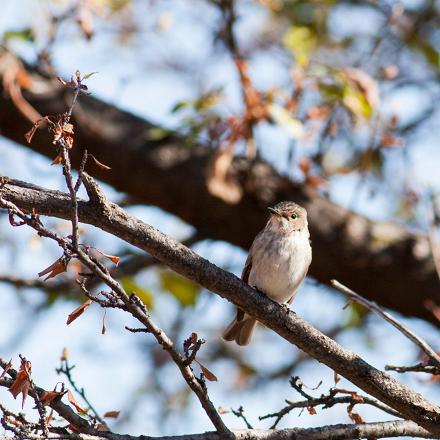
<point x="327" y="401"/>
<point x="240" y="414"/>
<point x="353" y="296"/>
<point x="66" y="369"/>
<point x="419" y="368"/>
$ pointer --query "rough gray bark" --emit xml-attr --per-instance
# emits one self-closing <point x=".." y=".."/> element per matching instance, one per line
<point x="112" y="219"/>
<point x="385" y="262"/>
<point x="331" y="432"/>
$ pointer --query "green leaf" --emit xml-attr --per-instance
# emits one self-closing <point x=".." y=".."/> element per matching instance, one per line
<point x="285" y="120"/>
<point x="130" y="285"/>
<point x="357" y="315"/>
<point x="301" y="41"/>
<point x="180" y="105"/>
<point x="357" y="102"/>
<point x="184" y="290"/>
<point x="24" y="34"/>
<point x="331" y="92"/>
<point x="157" y="134"/>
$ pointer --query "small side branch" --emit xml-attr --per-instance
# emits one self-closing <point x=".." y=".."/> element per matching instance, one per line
<point x="433" y="357"/>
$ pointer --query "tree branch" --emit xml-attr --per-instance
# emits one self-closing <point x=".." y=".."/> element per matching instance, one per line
<point x="389" y="429"/>
<point x="434" y="358"/>
<point x="116" y="221"/>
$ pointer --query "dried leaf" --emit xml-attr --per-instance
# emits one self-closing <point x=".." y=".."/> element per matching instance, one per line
<point x="57" y="160"/>
<point x="311" y="410"/>
<point x="390" y="72"/>
<point x="103" y="427"/>
<point x="355" y="396"/>
<point x="48" y="396"/>
<point x="22" y="381"/>
<point x="355" y="417"/>
<point x="85" y="21"/>
<point x="61" y="80"/>
<point x="6" y="369"/>
<point x="112" y="414"/>
<point x="54" y="269"/>
<point x="304" y="165"/>
<point x="75" y="403"/>
<point x="113" y="258"/>
<point x="68" y="128"/>
<point x="12" y="220"/>
<point x="336" y="377"/>
<point x="100" y="164"/>
<point x="207" y="373"/>
<point x="88" y="75"/>
<point x="316" y="181"/>
<point x="64" y="354"/>
<point x="78" y="311"/>
<point x="390" y="141"/>
<point x="30" y="134"/>
<point x="366" y="84"/>
<point x="104" y="328"/>
<point x="73" y="428"/>
<point x="220" y="182"/>
<point x="284" y="119"/>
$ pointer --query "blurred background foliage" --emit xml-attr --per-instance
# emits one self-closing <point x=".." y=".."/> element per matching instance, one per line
<point x="341" y="95"/>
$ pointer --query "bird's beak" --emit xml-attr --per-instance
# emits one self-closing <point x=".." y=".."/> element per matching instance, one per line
<point x="274" y="212"/>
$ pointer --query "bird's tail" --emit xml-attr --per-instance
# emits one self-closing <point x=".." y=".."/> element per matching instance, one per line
<point x="240" y="331"/>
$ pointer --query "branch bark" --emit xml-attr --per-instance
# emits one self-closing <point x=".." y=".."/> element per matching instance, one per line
<point x="111" y="218"/>
<point x="369" y="257"/>
<point x="341" y="432"/>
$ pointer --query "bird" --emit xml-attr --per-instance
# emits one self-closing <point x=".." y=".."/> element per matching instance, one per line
<point x="277" y="263"/>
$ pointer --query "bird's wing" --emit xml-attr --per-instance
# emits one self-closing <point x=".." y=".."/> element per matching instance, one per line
<point x="245" y="277"/>
<point x="247" y="269"/>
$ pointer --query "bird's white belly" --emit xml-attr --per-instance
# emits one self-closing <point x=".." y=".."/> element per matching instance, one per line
<point x="279" y="267"/>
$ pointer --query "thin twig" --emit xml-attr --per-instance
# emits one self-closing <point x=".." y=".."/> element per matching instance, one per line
<point x="240" y="414"/>
<point x="327" y="401"/>
<point x="66" y="369"/>
<point x="419" y="368"/>
<point x="424" y="346"/>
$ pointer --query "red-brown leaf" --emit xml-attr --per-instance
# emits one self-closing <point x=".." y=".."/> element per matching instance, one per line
<point x="54" y="269"/>
<point x="48" y="396"/>
<point x="316" y="181"/>
<point x="78" y="311"/>
<point x="112" y="258"/>
<point x="112" y="414"/>
<point x="355" y="417"/>
<point x="207" y="373"/>
<point x="104" y="328"/>
<point x="311" y="410"/>
<point x="13" y="222"/>
<point x="304" y="165"/>
<point x="57" y="160"/>
<point x="100" y="164"/>
<point x="22" y="381"/>
<point x="6" y="369"/>
<point x="75" y="403"/>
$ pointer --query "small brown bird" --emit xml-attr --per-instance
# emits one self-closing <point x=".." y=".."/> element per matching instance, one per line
<point x="277" y="263"/>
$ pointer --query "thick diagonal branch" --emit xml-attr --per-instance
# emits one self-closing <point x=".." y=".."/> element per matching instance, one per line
<point x="111" y="218"/>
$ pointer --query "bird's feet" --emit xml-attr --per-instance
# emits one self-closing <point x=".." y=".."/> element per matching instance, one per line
<point x="287" y="309"/>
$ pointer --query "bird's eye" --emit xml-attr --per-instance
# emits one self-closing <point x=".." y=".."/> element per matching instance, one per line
<point x="293" y="216"/>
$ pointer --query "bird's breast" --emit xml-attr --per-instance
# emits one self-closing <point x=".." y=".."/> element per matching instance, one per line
<point x="279" y="265"/>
